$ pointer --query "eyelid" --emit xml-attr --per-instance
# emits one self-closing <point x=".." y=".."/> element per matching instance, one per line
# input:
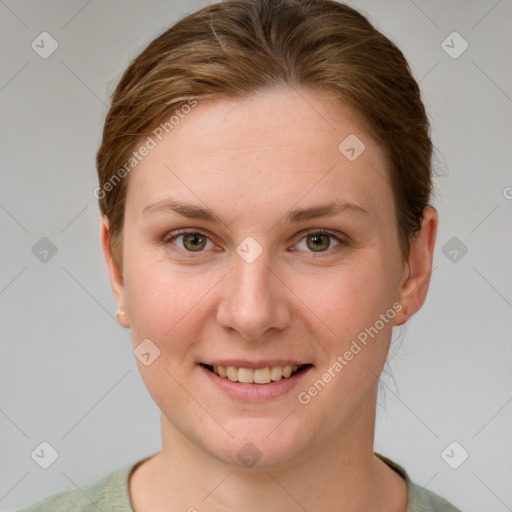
<point x="341" y="237"/>
<point x="184" y="231"/>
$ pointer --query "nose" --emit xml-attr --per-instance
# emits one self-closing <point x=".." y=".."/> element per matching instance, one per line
<point x="254" y="300"/>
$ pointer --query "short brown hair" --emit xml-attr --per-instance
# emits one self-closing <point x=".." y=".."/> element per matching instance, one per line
<point x="238" y="47"/>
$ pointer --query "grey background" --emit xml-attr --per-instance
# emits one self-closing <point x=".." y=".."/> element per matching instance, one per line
<point x="67" y="372"/>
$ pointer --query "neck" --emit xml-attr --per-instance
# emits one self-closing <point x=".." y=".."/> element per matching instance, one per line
<point x="336" y="472"/>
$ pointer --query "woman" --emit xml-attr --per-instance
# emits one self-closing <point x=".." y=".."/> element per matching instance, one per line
<point x="265" y="175"/>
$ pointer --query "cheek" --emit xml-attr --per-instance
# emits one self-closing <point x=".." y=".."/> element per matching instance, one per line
<point x="165" y="307"/>
<point x="349" y="304"/>
<point x="164" y="302"/>
<point x="348" y="298"/>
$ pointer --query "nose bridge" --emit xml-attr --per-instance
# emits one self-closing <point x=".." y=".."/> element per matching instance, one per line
<point x="253" y="280"/>
<point x="253" y="302"/>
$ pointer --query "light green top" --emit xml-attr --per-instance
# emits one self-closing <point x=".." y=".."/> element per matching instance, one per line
<point x="110" y="494"/>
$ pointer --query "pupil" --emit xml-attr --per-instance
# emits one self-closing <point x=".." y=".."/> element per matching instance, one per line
<point x="317" y="241"/>
<point x="195" y="241"/>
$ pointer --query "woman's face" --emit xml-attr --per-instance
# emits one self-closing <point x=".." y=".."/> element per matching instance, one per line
<point x="254" y="284"/>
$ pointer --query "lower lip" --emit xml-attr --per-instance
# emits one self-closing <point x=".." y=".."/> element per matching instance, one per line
<point x="250" y="392"/>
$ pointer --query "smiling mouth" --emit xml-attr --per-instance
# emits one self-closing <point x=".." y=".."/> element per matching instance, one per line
<point x="255" y="376"/>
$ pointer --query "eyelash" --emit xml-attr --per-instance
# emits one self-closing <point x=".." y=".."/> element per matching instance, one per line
<point x="171" y="236"/>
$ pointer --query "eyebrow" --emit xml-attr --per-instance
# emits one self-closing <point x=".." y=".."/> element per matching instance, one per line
<point x="193" y="211"/>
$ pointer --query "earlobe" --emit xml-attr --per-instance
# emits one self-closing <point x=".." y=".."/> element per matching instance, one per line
<point x="115" y="274"/>
<point x="413" y="291"/>
<point x="122" y="318"/>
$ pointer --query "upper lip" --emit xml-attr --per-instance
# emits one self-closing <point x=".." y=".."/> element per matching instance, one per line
<point x="239" y="363"/>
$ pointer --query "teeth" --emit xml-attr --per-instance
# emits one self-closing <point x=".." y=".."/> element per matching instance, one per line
<point x="231" y="373"/>
<point x="276" y="372"/>
<point x="245" y="375"/>
<point x="258" y="376"/>
<point x="261" y="375"/>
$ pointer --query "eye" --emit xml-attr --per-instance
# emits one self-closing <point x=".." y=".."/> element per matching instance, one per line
<point x="192" y="241"/>
<point x="320" y="241"/>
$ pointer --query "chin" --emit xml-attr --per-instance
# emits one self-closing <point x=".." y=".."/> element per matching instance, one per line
<point x="259" y="444"/>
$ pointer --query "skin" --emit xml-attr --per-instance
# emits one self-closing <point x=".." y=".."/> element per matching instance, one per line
<point x="251" y="161"/>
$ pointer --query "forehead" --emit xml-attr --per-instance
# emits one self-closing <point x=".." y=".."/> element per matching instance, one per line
<point x="274" y="148"/>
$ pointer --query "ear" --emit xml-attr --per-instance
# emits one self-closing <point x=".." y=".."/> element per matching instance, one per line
<point x="115" y="274"/>
<point x="413" y="290"/>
